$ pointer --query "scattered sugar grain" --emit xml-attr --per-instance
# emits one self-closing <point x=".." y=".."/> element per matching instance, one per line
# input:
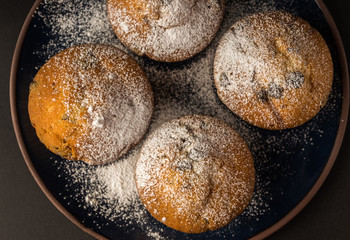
<point x="109" y="191"/>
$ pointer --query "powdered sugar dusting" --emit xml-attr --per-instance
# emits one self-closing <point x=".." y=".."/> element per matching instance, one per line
<point x="191" y="168"/>
<point x="274" y="77"/>
<point x="76" y="22"/>
<point x="179" y="89"/>
<point x="166" y="30"/>
<point x="105" y="93"/>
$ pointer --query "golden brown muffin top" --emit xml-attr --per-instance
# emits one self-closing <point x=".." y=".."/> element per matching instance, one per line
<point x="195" y="174"/>
<point x="273" y="70"/>
<point x="90" y="102"/>
<point x="166" y="30"/>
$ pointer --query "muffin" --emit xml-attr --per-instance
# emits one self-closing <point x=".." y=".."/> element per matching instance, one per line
<point x="91" y="103"/>
<point x="273" y="70"/>
<point x="195" y="174"/>
<point x="166" y="30"/>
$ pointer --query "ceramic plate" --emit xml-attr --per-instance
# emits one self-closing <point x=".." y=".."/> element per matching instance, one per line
<point x="291" y="164"/>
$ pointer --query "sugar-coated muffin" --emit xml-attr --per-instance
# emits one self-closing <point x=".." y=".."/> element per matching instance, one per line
<point x="90" y="102"/>
<point x="166" y="30"/>
<point x="273" y="70"/>
<point x="195" y="174"/>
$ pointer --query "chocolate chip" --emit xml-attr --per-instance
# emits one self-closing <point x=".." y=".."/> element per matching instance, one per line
<point x="224" y="80"/>
<point x="68" y="118"/>
<point x="88" y="60"/>
<point x="185" y="144"/>
<point x="240" y="27"/>
<point x="130" y="103"/>
<point x="33" y="85"/>
<point x="214" y="3"/>
<point x="262" y="96"/>
<point x="295" y="79"/>
<point x="196" y="155"/>
<point x="145" y="19"/>
<point x="293" y="50"/>
<point x="274" y="90"/>
<point x="203" y="125"/>
<point x="189" y="129"/>
<point x="65" y="117"/>
<point x="183" y="165"/>
<point x="187" y="186"/>
<point x="166" y="2"/>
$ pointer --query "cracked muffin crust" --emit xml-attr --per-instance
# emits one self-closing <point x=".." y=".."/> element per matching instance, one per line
<point x="166" y="30"/>
<point x="195" y="174"/>
<point x="273" y="70"/>
<point x="91" y="103"/>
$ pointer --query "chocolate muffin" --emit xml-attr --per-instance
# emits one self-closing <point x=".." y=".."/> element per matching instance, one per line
<point x="91" y="103"/>
<point x="195" y="174"/>
<point x="273" y="70"/>
<point x="166" y="30"/>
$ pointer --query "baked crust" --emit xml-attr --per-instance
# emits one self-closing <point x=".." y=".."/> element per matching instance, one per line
<point x="163" y="30"/>
<point x="91" y="103"/>
<point x="195" y="174"/>
<point x="273" y="70"/>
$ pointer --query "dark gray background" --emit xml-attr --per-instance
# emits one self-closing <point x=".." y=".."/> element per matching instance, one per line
<point x="26" y="213"/>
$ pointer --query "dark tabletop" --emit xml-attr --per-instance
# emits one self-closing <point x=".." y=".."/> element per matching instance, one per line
<point x="26" y="213"/>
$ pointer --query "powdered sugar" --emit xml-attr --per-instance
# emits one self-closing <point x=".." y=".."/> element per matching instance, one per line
<point x="89" y="24"/>
<point x="166" y="30"/>
<point x="194" y="158"/>
<point x="267" y="75"/>
<point x="117" y="180"/>
<point x="104" y="92"/>
<point x="111" y="203"/>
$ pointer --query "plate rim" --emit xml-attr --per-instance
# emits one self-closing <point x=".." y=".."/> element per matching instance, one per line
<point x="265" y="233"/>
<point x="19" y="137"/>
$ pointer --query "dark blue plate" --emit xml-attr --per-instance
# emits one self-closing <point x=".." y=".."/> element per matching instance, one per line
<point x="291" y="164"/>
